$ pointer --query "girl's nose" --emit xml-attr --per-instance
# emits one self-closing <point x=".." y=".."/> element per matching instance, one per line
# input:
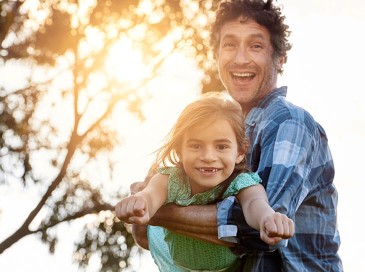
<point x="208" y="155"/>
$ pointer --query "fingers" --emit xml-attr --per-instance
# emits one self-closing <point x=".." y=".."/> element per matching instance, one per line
<point x="278" y="225"/>
<point x="132" y="210"/>
<point x="269" y="240"/>
<point x="139" y="208"/>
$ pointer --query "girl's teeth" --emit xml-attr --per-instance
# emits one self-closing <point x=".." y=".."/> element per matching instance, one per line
<point x="208" y="170"/>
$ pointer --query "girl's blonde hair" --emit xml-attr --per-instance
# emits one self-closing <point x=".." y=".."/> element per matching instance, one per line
<point x="208" y="108"/>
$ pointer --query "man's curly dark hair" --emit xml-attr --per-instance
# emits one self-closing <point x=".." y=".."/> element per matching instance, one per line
<point x="265" y="13"/>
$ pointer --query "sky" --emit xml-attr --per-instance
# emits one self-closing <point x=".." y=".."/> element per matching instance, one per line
<point x="324" y="75"/>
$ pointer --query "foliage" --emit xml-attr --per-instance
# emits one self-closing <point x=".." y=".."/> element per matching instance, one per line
<point x="62" y="108"/>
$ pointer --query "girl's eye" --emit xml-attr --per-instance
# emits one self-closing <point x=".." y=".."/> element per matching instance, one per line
<point x="194" y="146"/>
<point x="222" y="147"/>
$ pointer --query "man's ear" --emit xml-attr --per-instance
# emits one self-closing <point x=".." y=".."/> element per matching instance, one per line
<point x="279" y="63"/>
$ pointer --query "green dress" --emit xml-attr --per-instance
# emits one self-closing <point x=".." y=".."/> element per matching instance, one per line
<point x="190" y="254"/>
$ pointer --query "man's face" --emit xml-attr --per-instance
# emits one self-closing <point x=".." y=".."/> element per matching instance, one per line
<point x="245" y="62"/>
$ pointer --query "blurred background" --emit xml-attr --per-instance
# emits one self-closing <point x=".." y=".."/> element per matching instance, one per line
<point x="89" y="89"/>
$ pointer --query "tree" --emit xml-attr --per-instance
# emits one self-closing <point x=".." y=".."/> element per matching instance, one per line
<point x="66" y="49"/>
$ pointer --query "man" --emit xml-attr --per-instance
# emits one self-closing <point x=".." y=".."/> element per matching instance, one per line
<point x="289" y="151"/>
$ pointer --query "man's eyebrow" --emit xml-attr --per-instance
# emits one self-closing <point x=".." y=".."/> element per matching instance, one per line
<point x="252" y="36"/>
<point x="229" y="36"/>
<point x="257" y="35"/>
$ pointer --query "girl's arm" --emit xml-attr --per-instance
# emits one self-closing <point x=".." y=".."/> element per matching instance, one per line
<point x="272" y="225"/>
<point x="140" y="207"/>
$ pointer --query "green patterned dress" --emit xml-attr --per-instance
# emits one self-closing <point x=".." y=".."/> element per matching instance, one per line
<point x="186" y="253"/>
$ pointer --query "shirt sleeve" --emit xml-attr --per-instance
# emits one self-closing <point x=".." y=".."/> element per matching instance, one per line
<point x="285" y="162"/>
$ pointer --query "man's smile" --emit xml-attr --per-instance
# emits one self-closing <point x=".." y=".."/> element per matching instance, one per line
<point x="242" y="75"/>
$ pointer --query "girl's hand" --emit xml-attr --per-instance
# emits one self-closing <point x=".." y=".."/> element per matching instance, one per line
<point x="133" y="210"/>
<point x="275" y="227"/>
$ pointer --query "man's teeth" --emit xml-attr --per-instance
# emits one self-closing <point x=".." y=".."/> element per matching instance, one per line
<point x="242" y="74"/>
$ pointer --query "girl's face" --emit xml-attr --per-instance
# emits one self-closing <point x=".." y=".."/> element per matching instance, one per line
<point x="209" y="154"/>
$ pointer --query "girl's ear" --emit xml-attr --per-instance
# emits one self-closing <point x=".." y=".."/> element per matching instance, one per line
<point x="239" y="158"/>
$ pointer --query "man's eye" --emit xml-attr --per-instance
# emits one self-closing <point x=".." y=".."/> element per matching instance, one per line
<point x="228" y="44"/>
<point x="257" y="46"/>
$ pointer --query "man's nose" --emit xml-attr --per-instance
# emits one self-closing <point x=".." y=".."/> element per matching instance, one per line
<point x="241" y="57"/>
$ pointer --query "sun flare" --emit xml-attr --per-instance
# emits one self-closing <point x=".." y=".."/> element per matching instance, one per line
<point x="124" y="63"/>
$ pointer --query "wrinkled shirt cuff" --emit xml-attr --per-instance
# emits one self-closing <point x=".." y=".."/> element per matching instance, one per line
<point x="227" y="229"/>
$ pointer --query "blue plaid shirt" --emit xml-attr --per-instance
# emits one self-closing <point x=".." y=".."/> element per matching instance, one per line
<point x="290" y="152"/>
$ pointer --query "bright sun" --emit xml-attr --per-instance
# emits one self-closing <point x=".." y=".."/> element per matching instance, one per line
<point x="124" y="63"/>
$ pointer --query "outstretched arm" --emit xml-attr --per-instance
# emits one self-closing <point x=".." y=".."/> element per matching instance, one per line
<point x="140" y="207"/>
<point x="273" y="226"/>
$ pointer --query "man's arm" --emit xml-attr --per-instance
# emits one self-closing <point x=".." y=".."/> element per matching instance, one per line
<point x="139" y="233"/>
<point x="199" y="222"/>
<point x="196" y="221"/>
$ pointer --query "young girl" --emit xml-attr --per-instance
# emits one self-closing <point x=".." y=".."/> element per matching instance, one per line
<point x="206" y="152"/>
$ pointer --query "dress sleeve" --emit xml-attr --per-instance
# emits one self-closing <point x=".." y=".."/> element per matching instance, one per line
<point x="177" y="188"/>
<point x="243" y="180"/>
